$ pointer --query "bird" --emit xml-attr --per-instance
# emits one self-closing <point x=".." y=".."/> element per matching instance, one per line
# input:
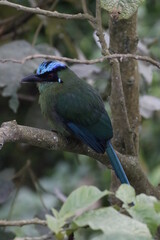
<point x="74" y="108"/>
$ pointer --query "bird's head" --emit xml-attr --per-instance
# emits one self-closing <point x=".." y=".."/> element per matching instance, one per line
<point x="47" y="72"/>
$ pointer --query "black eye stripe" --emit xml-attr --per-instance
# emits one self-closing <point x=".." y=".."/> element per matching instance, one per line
<point x="50" y="77"/>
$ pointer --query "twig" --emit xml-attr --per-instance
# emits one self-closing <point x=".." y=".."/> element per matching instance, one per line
<point x="11" y="132"/>
<point x="7" y="20"/>
<point x="59" y="195"/>
<point x="11" y="207"/>
<point x="121" y="57"/>
<point x="11" y="25"/>
<point x="21" y="223"/>
<point x="37" y="32"/>
<point x="47" y="13"/>
<point x="43" y="237"/>
<point x="56" y="192"/>
<point x="84" y="6"/>
<point x="42" y="23"/>
<point x="99" y="30"/>
<point x="85" y="10"/>
<point x="21" y="173"/>
<point x="36" y="185"/>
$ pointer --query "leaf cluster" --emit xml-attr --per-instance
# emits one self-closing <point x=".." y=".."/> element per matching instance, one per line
<point x="140" y="218"/>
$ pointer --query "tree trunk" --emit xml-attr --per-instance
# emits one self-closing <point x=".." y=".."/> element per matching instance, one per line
<point x="123" y="39"/>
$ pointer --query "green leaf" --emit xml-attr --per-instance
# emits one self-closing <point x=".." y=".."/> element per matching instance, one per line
<point x="126" y="194"/>
<point x="145" y="211"/>
<point x="80" y="199"/>
<point x="101" y="236"/>
<point x="55" y="212"/>
<point x="114" y="225"/>
<point x="12" y="73"/>
<point x="124" y="8"/>
<point x="54" y="224"/>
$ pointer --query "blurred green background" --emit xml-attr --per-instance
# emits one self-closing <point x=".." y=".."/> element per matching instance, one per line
<point x="43" y="178"/>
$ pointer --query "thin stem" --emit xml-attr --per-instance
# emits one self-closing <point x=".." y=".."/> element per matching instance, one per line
<point x="47" y="13"/>
<point x="121" y="57"/>
<point x="99" y="30"/>
<point x="21" y="223"/>
<point x="85" y="10"/>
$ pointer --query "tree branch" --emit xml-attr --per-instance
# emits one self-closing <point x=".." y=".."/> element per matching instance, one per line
<point x="119" y="110"/>
<point x="85" y="10"/>
<point x="20" y="223"/>
<point x="47" y="13"/>
<point x="99" y="30"/>
<point x="43" y="237"/>
<point x="11" y="132"/>
<point x="12" y="24"/>
<point x="116" y="86"/>
<point x="123" y="39"/>
<point x="121" y="57"/>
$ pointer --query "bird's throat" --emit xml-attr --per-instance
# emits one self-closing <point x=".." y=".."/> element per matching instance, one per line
<point x="44" y="86"/>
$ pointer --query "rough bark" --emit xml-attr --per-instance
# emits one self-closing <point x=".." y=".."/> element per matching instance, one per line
<point x="11" y="132"/>
<point x="123" y="39"/>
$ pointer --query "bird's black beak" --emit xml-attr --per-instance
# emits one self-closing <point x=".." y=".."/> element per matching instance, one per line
<point x="34" y="78"/>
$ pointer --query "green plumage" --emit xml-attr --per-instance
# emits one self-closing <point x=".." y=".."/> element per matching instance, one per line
<point x="73" y="107"/>
<point x="74" y="101"/>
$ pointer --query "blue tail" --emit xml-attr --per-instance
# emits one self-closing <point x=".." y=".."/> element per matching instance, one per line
<point x="116" y="164"/>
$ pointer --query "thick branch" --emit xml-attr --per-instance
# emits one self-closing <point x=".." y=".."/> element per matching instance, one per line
<point x="119" y="110"/>
<point x="123" y="39"/>
<point x="11" y="132"/>
<point x="116" y="85"/>
<point x="47" y="13"/>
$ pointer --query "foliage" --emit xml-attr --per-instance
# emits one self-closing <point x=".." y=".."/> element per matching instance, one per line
<point x="9" y="79"/>
<point x="59" y="173"/>
<point x="107" y="222"/>
<point x="124" y="8"/>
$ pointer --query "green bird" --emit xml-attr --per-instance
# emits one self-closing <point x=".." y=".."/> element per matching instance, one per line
<point x="73" y="107"/>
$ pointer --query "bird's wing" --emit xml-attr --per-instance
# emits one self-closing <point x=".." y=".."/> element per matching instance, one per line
<point x="83" y="113"/>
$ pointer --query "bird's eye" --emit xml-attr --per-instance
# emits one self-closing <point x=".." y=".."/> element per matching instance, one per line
<point x="50" y="75"/>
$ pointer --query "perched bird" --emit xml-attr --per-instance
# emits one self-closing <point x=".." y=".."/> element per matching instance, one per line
<point x="73" y="107"/>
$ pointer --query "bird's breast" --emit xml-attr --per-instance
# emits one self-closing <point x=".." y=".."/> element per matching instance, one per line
<point x="48" y="107"/>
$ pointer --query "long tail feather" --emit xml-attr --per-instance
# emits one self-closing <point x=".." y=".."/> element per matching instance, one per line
<point x="116" y="164"/>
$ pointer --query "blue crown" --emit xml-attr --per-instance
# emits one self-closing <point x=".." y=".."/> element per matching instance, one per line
<point x="49" y="66"/>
